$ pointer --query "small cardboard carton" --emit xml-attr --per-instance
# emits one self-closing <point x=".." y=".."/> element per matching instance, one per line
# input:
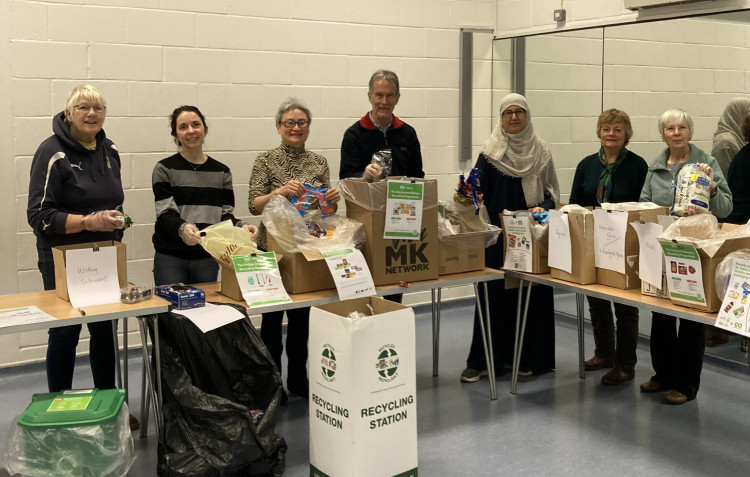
<point x="650" y="290"/>
<point x="301" y="272"/>
<point x="363" y="390"/>
<point x="394" y="260"/>
<point x="463" y="252"/>
<point x="61" y="277"/>
<point x="525" y="244"/>
<point x="630" y="279"/>
<point x="691" y="268"/>
<point x="182" y="297"/>
<point x="583" y="268"/>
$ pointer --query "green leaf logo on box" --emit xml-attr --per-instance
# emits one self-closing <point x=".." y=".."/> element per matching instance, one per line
<point x="387" y="364"/>
<point x="328" y="363"/>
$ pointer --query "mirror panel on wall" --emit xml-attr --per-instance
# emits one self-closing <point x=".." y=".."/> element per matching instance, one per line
<point x="697" y="64"/>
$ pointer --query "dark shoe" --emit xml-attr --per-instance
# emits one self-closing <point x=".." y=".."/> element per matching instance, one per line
<point x="525" y="373"/>
<point x="597" y="362"/>
<point x="651" y="387"/>
<point x="300" y="387"/>
<point x="618" y="375"/>
<point x="715" y="337"/>
<point x="134" y="424"/>
<point x="471" y="375"/>
<point x="675" y="397"/>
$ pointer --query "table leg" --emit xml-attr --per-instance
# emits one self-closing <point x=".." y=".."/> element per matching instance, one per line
<point x="145" y="396"/>
<point x="520" y="332"/>
<point x="436" y="305"/>
<point x="125" y="358"/>
<point x="153" y="387"/>
<point x="581" y="350"/>
<point x="118" y="370"/>
<point x="487" y="341"/>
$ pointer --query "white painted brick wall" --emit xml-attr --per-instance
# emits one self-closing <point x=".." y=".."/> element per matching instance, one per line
<point x="237" y="60"/>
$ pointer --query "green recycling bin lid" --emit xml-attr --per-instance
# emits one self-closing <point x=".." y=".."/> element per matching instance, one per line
<point x="72" y="408"/>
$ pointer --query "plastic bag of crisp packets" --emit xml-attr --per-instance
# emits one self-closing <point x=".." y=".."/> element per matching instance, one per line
<point x="310" y="197"/>
<point x="692" y="191"/>
<point x="384" y="159"/>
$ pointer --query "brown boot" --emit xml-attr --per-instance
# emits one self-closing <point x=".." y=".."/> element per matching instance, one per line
<point x="618" y="375"/>
<point x="597" y="362"/>
<point x="134" y="424"/>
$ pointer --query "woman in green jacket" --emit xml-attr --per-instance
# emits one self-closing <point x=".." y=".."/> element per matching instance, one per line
<point x="677" y="356"/>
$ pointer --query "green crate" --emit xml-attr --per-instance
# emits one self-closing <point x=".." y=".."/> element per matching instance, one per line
<point x="76" y="433"/>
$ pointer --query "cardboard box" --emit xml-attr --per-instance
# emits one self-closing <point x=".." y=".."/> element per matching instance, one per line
<point x="630" y="278"/>
<point x="525" y="253"/>
<point x="181" y="296"/>
<point x="650" y="290"/>
<point x="391" y="260"/>
<point x="708" y="259"/>
<point x="363" y="390"/>
<point x="463" y="252"/>
<point x="61" y="277"/>
<point x="583" y="268"/>
<point x="301" y="272"/>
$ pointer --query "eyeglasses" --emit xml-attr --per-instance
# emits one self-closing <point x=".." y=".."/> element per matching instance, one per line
<point x="520" y="113"/>
<point x="675" y="129"/>
<point x="302" y="123"/>
<point x="85" y="108"/>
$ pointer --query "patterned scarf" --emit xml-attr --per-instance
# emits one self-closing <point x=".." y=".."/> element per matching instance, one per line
<point x="608" y="170"/>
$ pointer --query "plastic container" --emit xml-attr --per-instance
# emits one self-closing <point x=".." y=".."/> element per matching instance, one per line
<point x="78" y="433"/>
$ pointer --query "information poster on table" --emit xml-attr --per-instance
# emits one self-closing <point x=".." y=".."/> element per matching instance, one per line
<point x="519" y="251"/>
<point x="610" y="227"/>
<point x="684" y="273"/>
<point x="733" y="315"/>
<point x="259" y="279"/>
<point x="559" y="241"/>
<point x="92" y="276"/>
<point x="350" y="273"/>
<point x="403" y="210"/>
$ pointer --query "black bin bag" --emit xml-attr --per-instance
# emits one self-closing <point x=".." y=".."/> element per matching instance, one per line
<point x="215" y="387"/>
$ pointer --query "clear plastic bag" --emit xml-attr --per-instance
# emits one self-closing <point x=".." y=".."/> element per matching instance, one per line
<point x="691" y="191"/>
<point x="384" y="159"/>
<point x="223" y="240"/>
<point x="576" y="209"/>
<point x="101" y="450"/>
<point x="461" y="219"/>
<point x="628" y="206"/>
<point x="724" y="270"/>
<point x="703" y="231"/>
<point x="292" y="231"/>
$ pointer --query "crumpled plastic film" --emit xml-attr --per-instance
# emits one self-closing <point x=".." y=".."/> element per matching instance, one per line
<point x="460" y="219"/>
<point x="628" y="206"/>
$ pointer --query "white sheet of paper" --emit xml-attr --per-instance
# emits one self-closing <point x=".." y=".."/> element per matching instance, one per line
<point x="403" y="210"/>
<point x="259" y="279"/>
<point x="559" y="241"/>
<point x="92" y="276"/>
<point x="733" y="315"/>
<point x="210" y="317"/>
<point x="350" y="273"/>
<point x="650" y="255"/>
<point x="609" y="239"/>
<point x="23" y="316"/>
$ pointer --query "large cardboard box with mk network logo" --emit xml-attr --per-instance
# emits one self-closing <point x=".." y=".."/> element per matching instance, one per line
<point x="394" y="260"/>
<point x="363" y="390"/>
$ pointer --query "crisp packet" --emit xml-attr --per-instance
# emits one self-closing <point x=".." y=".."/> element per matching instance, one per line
<point x="384" y="159"/>
<point x="310" y="197"/>
<point x="469" y="190"/>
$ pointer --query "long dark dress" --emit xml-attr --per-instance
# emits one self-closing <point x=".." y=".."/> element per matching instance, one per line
<point x="505" y="192"/>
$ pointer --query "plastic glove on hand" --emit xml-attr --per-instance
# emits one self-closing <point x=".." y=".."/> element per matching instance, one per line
<point x="190" y="234"/>
<point x="102" y="221"/>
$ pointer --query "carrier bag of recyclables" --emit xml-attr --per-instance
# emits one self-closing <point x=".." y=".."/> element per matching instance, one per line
<point x="223" y="240"/>
<point x="294" y="233"/>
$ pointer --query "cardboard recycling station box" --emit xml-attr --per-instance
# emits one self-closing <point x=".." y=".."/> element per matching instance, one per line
<point x="363" y="392"/>
<point x="61" y="276"/>
<point x="583" y="269"/>
<point x="390" y="260"/>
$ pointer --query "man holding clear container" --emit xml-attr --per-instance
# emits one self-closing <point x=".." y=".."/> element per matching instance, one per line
<point x="380" y="133"/>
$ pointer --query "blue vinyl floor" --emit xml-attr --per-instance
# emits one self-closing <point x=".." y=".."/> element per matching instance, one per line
<point x="557" y="425"/>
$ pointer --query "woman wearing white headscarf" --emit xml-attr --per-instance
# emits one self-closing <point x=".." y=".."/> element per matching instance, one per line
<point x="516" y="173"/>
<point x="728" y="138"/>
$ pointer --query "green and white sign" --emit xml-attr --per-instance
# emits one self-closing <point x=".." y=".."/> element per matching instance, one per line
<point x="350" y="273"/>
<point x="734" y="314"/>
<point x="403" y="210"/>
<point x="259" y="279"/>
<point x="684" y="273"/>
